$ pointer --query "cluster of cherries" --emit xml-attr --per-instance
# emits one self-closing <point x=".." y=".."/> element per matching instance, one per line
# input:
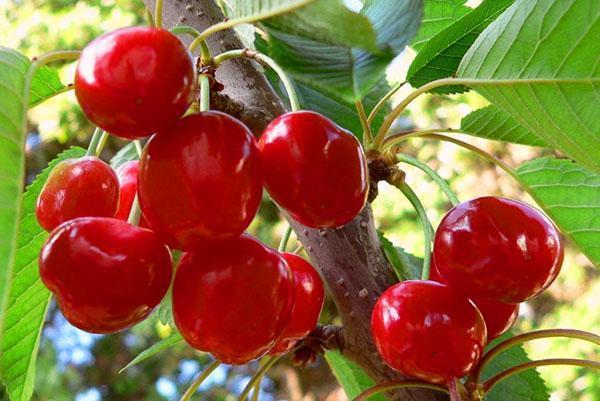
<point x="199" y="183"/>
<point x="489" y="255"/>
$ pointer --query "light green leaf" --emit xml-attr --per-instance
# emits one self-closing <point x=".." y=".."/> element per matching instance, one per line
<point x="14" y="74"/>
<point x="44" y="85"/>
<point x="249" y="11"/>
<point x="492" y="123"/>
<point x="570" y="195"/>
<point x="406" y="266"/>
<point x="27" y="297"/>
<point x="441" y="55"/>
<point x="539" y="63"/>
<point x="350" y="376"/>
<point x="437" y="14"/>
<point x="125" y="154"/>
<point x="154" y="349"/>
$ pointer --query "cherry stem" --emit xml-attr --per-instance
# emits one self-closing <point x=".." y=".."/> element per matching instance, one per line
<point x="362" y="116"/>
<point x="135" y="212"/>
<point x="488" y="384"/>
<point x="205" y="55"/>
<point x="184" y="29"/>
<point x="534" y="335"/>
<point x="204" y="92"/>
<point x="269" y="62"/>
<point x="257" y="377"/>
<point x="398" y="385"/>
<point x="150" y="18"/>
<point x="443" y="184"/>
<point x="199" y="380"/>
<point x="284" y="239"/>
<point x="138" y="147"/>
<point x="298" y="249"/>
<point x="62" y="55"/>
<point x="455" y="387"/>
<point x="427" y="229"/>
<point x="256" y="391"/>
<point x="158" y="14"/>
<point x="97" y="142"/>
<point x="383" y="101"/>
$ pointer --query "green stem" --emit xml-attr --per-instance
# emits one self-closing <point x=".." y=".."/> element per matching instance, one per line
<point x="62" y="55"/>
<point x="204" y="92"/>
<point x="383" y="101"/>
<point x="94" y="148"/>
<point x="256" y="391"/>
<point x="362" y="116"/>
<point x="284" y="239"/>
<point x="257" y="376"/>
<point x="488" y="384"/>
<point x="427" y="229"/>
<point x="150" y="18"/>
<point x="380" y="388"/>
<point x="443" y="184"/>
<point x="198" y="381"/>
<point x="158" y="13"/>
<point x="138" y="147"/>
<point x="184" y="30"/>
<point x="269" y="62"/>
<point x="534" y="335"/>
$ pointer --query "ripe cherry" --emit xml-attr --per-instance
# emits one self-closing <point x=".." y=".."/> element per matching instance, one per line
<point x="426" y="330"/>
<point x="106" y="274"/>
<point x="314" y="169"/>
<point x="233" y="299"/>
<point x="498" y="316"/>
<point x="77" y="188"/>
<point x="308" y="302"/>
<point x="135" y="81"/>
<point x="498" y="248"/>
<point x="200" y="181"/>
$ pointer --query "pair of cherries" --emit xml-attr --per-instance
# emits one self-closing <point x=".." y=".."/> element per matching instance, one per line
<point x="489" y="255"/>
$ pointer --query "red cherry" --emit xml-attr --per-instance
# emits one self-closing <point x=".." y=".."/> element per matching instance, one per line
<point x="314" y="169"/>
<point x="135" y="81"/>
<point x="77" y="188"/>
<point x="106" y="274"/>
<point x="233" y="299"/>
<point x="498" y="248"/>
<point x="498" y="316"/>
<point x="308" y="302"/>
<point x="201" y="182"/>
<point x="426" y="330"/>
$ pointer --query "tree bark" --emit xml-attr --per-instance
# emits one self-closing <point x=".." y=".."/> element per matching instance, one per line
<point x="350" y="258"/>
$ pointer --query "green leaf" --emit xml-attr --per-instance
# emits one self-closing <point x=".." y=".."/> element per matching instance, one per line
<point x="14" y="74"/>
<point x="351" y="377"/>
<point x="437" y="14"/>
<point x="570" y="195"/>
<point x="538" y="62"/>
<point x="44" y="85"/>
<point x="154" y="349"/>
<point x="406" y="266"/>
<point x="441" y="55"/>
<point x="249" y="11"/>
<point x="525" y="386"/>
<point x="27" y="297"/>
<point x="125" y="154"/>
<point x="492" y="123"/>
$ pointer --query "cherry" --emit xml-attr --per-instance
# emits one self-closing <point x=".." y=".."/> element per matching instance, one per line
<point x="202" y="181"/>
<point x="233" y="299"/>
<point x="498" y="316"/>
<point x="426" y="330"/>
<point x="77" y="188"/>
<point x="106" y="274"/>
<point x="135" y="81"/>
<point x="128" y="181"/>
<point x="498" y="248"/>
<point x="314" y="169"/>
<point x="308" y="302"/>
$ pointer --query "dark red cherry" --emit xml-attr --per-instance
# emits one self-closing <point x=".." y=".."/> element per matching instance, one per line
<point x="426" y="330"/>
<point x="498" y="316"/>
<point x="314" y="169"/>
<point x="233" y="299"/>
<point x="135" y="81"/>
<point x="498" y="248"/>
<point x="106" y="274"/>
<point x="77" y="188"/>
<point x="200" y="181"/>
<point x="308" y="302"/>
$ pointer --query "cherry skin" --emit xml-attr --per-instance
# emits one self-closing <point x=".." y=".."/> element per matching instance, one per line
<point x="308" y="302"/>
<point x="77" y="188"/>
<point x="314" y="169"/>
<point x="426" y="330"/>
<point x="233" y="299"/>
<point x="498" y="316"/>
<point x="106" y="274"/>
<point x="135" y="81"/>
<point x="498" y="248"/>
<point x="202" y="181"/>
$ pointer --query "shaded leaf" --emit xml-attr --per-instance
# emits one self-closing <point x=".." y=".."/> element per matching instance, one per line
<point x="125" y="154"/>
<point x="406" y="265"/>
<point x="350" y="376"/>
<point x="154" y="349"/>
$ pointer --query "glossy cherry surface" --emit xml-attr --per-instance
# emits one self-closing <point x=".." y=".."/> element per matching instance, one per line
<point x="426" y="330"/>
<point x="77" y="188"/>
<point x="233" y="299"/>
<point x="498" y="248"/>
<point x="201" y="181"/>
<point x="314" y="169"/>
<point x="106" y="274"/>
<point x="308" y="302"/>
<point x="135" y="81"/>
